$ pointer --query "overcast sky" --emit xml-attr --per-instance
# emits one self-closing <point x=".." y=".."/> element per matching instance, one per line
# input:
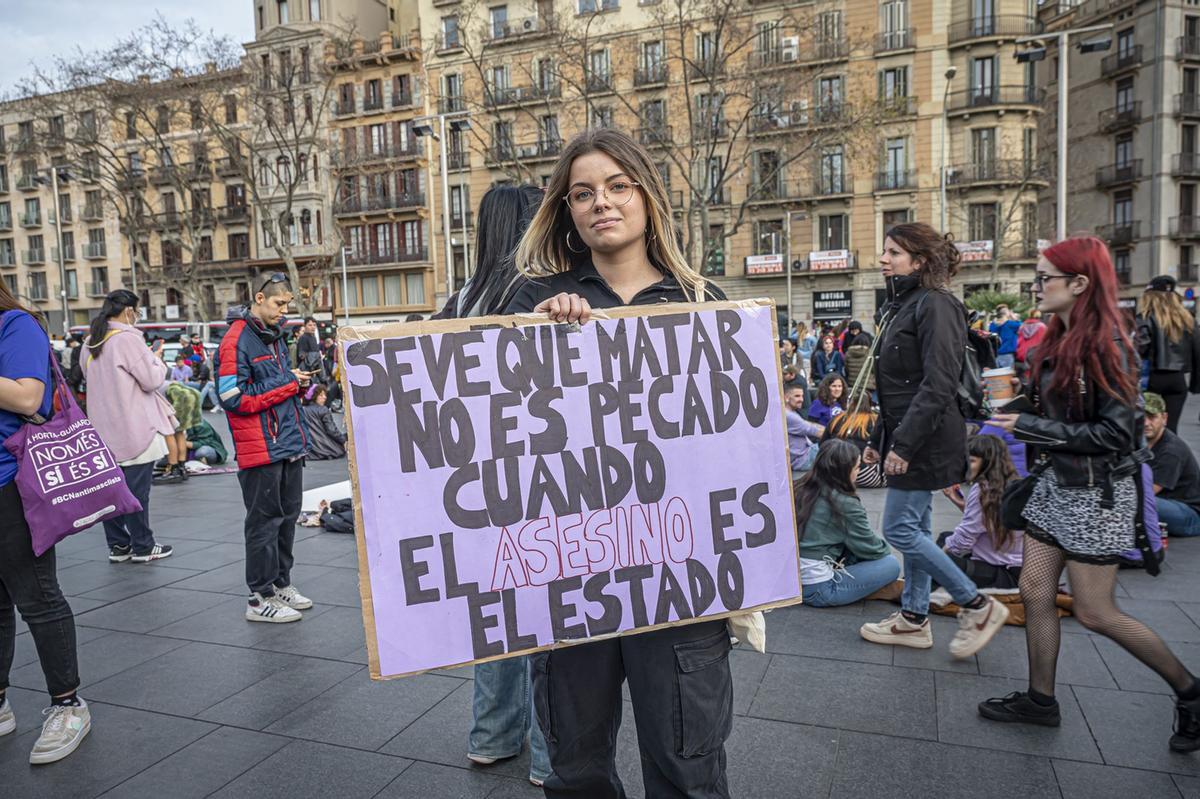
<point x="36" y="31"/>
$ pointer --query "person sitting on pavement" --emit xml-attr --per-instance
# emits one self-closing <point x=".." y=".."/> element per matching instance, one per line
<point x="801" y="433"/>
<point x="981" y="546"/>
<point x="205" y="445"/>
<point x="842" y="560"/>
<point x="181" y="372"/>
<point x="202" y="381"/>
<point x="326" y="441"/>
<point x="827" y="360"/>
<point x="856" y="425"/>
<point x="186" y="403"/>
<point x="828" y="403"/>
<point x="1176" y="473"/>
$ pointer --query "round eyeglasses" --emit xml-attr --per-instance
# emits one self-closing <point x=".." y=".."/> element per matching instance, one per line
<point x="617" y="193"/>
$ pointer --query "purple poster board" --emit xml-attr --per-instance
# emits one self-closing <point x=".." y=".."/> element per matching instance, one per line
<point x="520" y="485"/>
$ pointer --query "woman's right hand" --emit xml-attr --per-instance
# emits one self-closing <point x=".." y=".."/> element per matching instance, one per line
<point x="870" y="456"/>
<point x="566" y="308"/>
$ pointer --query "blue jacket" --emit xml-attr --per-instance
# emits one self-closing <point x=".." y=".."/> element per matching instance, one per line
<point x="256" y="386"/>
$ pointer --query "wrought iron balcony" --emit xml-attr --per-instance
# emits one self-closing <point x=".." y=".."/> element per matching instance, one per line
<point x="1185" y="227"/>
<point x="650" y="74"/>
<point x="993" y="96"/>
<point x="1121" y="117"/>
<point x="889" y="41"/>
<point x="1119" y="234"/>
<point x="1115" y="64"/>
<point x="994" y="26"/>
<point x="1118" y="174"/>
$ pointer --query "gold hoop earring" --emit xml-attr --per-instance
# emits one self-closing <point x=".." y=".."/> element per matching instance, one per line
<point x="572" y="249"/>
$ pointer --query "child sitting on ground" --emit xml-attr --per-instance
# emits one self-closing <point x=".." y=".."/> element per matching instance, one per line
<point x="842" y="560"/>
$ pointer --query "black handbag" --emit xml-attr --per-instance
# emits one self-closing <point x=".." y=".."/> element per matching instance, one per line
<point x="1016" y="496"/>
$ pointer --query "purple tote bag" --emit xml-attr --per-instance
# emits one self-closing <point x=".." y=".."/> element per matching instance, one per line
<point x="66" y="474"/>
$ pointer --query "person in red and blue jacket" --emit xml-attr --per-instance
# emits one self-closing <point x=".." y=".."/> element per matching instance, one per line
<point x="261" y="393"/>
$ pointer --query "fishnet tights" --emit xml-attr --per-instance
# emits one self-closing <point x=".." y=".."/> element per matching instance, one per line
<point x="1093" y="587"/>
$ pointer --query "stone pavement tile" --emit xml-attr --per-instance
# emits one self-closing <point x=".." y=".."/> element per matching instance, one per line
<point x="101" y="658"/>
<point x="1132" y="729"/>
<point x="1088" y="781"/>
<point x="223" y="527"/>
<point x="747" y="668"/>
<point x="432" y="781"/>
<point x="226" y="623"/>
<point x="149" y="611"/>
<point x="138" y="579"/>
<point x="204" y="555"/>
<point x="273" y="697"/>
<point x="365" y="713"/>
<point x="1132" y="675"/>
<point x="89" y="576"/>
<point x="27" y="706"/>
<point x="201" y="767"/>
<point x="1171" y="584"/>
<point x="1164" y="617"/>
<point x="1191" y="609"/>
<point x="938" y="656"/>
<point x="324" y="547"/>
<point x="228" y="579"/>
<point x="1189" y="787"/>
<point x="1078" y="661"/>
<point x="329" y="632"/>
<point x="770" y="758"/>
<point x="305" y="769"/>
<point x="852" y="696"/>
<point x="814" y="633"/>
<point x="86" y="546"/>
<point x="882" y="766"/>
<point x="123" y="742"/>
<point x="189" y="679"/>
<point x="959" y="722"/>
<point x="331" y="586"/>
<point x="26" y="651"/>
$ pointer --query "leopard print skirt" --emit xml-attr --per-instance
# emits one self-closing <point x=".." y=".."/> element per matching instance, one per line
<point x="1072" y="519"/>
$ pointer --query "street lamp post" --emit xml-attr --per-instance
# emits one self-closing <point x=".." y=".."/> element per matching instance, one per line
<point x="950" y="73"/>
<point x="52" y="182"/>
<point x="458" y="121"/>
<point x="345" y="290"/>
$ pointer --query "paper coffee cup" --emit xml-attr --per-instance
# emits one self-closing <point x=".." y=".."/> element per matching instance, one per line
<point x="999" y="384"/>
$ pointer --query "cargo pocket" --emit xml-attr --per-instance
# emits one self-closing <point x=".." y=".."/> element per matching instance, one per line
<point x="540" y="664"/>
<point x="704" y="705"/>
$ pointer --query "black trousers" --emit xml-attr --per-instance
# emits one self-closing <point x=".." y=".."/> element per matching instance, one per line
<point x="984" y="575"/>
<point x="133" y="529"/>
<point x="31" y="583"/>
<point x="272" y="495"/>
<point x="1173" y="388"/>
<point x="682" y="694"/>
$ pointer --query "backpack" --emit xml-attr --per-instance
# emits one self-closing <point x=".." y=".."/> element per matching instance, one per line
<point x="977" y="356"/>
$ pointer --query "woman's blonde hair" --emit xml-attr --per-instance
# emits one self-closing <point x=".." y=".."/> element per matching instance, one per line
<point x="1168" y="312"/>
<point x="544" y="251"/>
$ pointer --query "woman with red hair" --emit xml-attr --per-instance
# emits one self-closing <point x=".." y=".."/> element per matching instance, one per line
<point x="1084" y="508"/>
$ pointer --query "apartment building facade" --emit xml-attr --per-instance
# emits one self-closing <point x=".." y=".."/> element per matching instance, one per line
<point x="1133" y="146"/>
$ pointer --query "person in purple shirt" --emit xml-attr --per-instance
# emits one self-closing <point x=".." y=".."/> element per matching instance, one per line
<point x="986" y="551"/>
<point x="801" y="433"/>
<point x="181" y="372"/>
<point x="828" y="404"/>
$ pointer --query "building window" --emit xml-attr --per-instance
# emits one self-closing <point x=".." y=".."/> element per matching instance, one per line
<point x="450" y="31"/>
<point x="284" y="17"/>
<point x="896" y="217"/>
<point x="832" y="170"/>
<point x="834" y="231"/>
<point x="981" y="221"/>
<point x="1123" y="150"/>
<point x="768" y="237"/>
<point x="1122" y="208"/>
<point x="370" y="290"/>
<point x="162" y="117"/>
<point x="1125" y="94"/>
<point x="205" y="251"/>
<point x="393" y="290"/>
<point x="314" y="10"/>
<point x="130" y="125"/>
<point x="414" y="287"/>
<point x="893" y="84"/>
<point x="239" y="245"/>
<point x="1122" y="266"/>
<point x="714" y="264"/>
<point x="499" y="20"/>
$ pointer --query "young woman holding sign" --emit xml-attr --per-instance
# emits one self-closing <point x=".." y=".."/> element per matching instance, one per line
<point x="604" y="237"/>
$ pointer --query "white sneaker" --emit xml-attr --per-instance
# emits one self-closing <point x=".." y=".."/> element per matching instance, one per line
<point x="898" y="631"/>
<point x="270" y="609"/>
<point x="293" y="598"/>
<point x="976" y="628"/>
<point x="8" y="721"/>
<point x="481" y="760"/>
<point x="65" y="727"/>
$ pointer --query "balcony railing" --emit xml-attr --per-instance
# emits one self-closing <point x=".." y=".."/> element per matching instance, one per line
<point x="520" y="95"/>
<point x="903" y="39"/>
<point x="1187" y="47"/>
<point x="650" y="74"/>
<point x="167" y="220"/>
<point x="398" y="256"/>
<point x="705" y="68"/>
<point x="510" y="30"/>
<point x="162" y="175"/>
<point x="402" y="99"/>
<point x="1000" y="25"/>
<point x="1121" y="117"/>
<point x="91" y="212"/>
<point x="898" y="106"/>
<point x="31" y="219"/>
<point x="95" y="250"/>
<point x="1117" y="63"/>
<point x="97" y="289"/>
<point x="506" y="151"/>
<point x="345" y="107"/>
<point x="985" y="96"/>
<point x="7" y="259"/>
<point x="449" y="105"/>
<point x="1185" y="227"/>
<point x="410" y="149"/>
<point x="826" y="49"/>
<point x="372" y="103"/>
<point x="68" y="253"/>
<point x="131" y="180"/>
<point x="229" y="166"/>
<point x="37" y="255"/>
<point x="459" y="220"/>
<point x="895" y="180"/>
<point x="37" y="292"/>
<point x="1187" y="105"/>
<point x="598" y="82"/>
<point x="710" y="129"/>
<point x="27" y="183"/>
<point x="654" y="135"/>
<point x="448" y="41"/>
<point x="458" y="159"/>
<point x="833" y="184"/>
<point x="1005" y="170"/>
<point x="1185" y="165"/>
<point x="1187" y="273"/>
<point x="5" y="223"/>
<point x="1116" y="174"/>
<point x="1119" y="234"/>
<point x="234" y="215"/>
<point x="395" y="202"/>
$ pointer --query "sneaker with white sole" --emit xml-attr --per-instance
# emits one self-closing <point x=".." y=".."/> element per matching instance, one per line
<point x="8" y="721"/>
<point x="119" y="554"/>
<point x="270" y="609"/>
<point x="65" y="727"/>
<point x="976" y="628"/>
<point x="481" y="760"/>
<point x="899" y="631"/>
<point x="159" y="552"/>
<point x="293" y="598"/>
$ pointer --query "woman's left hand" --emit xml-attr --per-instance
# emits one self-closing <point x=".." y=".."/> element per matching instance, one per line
<point x="894" y="464"/>
<point x="1005" y="421"/>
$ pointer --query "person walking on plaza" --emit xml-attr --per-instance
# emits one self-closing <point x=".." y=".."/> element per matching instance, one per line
<point x="604" y="237"/>
<point x="921" y="439"/>
<point x="1083" y="510"/>
<point x="1175" y="471"/>
<point x="1005" y="326"/>
<point x="27" y="581"/>
<point x="1169" y="341"/>
<point x="261" y="395"/>
<point x="124" y="378"/>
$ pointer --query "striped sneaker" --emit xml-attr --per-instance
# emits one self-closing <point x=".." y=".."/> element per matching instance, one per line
<point x="8" y="721"/>
<point x="271" y="609"/>
<point x="159" y="552"/>
<point x="293" y="598"/>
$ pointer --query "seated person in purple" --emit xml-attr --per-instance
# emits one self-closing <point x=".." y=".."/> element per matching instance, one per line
<point x="987" y="552"/>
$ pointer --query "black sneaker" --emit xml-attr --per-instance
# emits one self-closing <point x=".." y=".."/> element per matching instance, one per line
<point x="183" y="472"/>
<point x="171" y="475"/>
<point x="1187" y="726"/>
<point x="1018" y="707"/>
<point x="159" y="552"/>
<point x="119" y="554"/>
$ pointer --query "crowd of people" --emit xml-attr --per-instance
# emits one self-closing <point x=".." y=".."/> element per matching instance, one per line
<point x="1078" y="474"/>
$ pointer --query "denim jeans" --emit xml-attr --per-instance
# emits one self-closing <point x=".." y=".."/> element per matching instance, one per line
<point x="204" y="452"/>
<point x="1005" y="361"/>
<point x="907" y="526"/>
<point x="31" y="583"/>
<point x="503" y="710"/>
<point x="209" y="390"/>
<point x="133" y="529"/>
<point x="855" y="582"/>
<point x="1181" y="519"/>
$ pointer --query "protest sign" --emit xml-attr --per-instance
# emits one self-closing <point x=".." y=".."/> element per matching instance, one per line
<point x="520" y="484"/>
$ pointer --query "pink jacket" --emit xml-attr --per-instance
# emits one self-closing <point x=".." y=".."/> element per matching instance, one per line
<point x="122" y="392"/>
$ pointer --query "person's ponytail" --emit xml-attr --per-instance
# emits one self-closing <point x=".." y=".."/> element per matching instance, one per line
<point x="114" y="305"/>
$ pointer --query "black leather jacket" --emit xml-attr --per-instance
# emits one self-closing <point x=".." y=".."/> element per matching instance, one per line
<point x="1166" y="355"/>
<point x="1088" y="448"/>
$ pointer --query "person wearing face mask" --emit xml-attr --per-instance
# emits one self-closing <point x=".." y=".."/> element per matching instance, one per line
<point x="921" y="438"/>
<point x="604" y="237"/>
<point x="124" y="377"/>
<point x="1084" y="508"/>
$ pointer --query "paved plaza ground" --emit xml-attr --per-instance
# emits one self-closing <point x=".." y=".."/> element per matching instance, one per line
<point x="190" y="700"/>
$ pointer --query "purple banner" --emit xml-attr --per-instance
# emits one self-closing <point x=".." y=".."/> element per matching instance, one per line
<point x="523" y="487"/>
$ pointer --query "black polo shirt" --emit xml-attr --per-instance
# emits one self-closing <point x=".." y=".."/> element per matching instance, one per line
<point x="1175" y="469"/>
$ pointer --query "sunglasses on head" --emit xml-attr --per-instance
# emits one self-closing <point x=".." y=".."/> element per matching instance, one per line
<point x="278" y="277"/>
